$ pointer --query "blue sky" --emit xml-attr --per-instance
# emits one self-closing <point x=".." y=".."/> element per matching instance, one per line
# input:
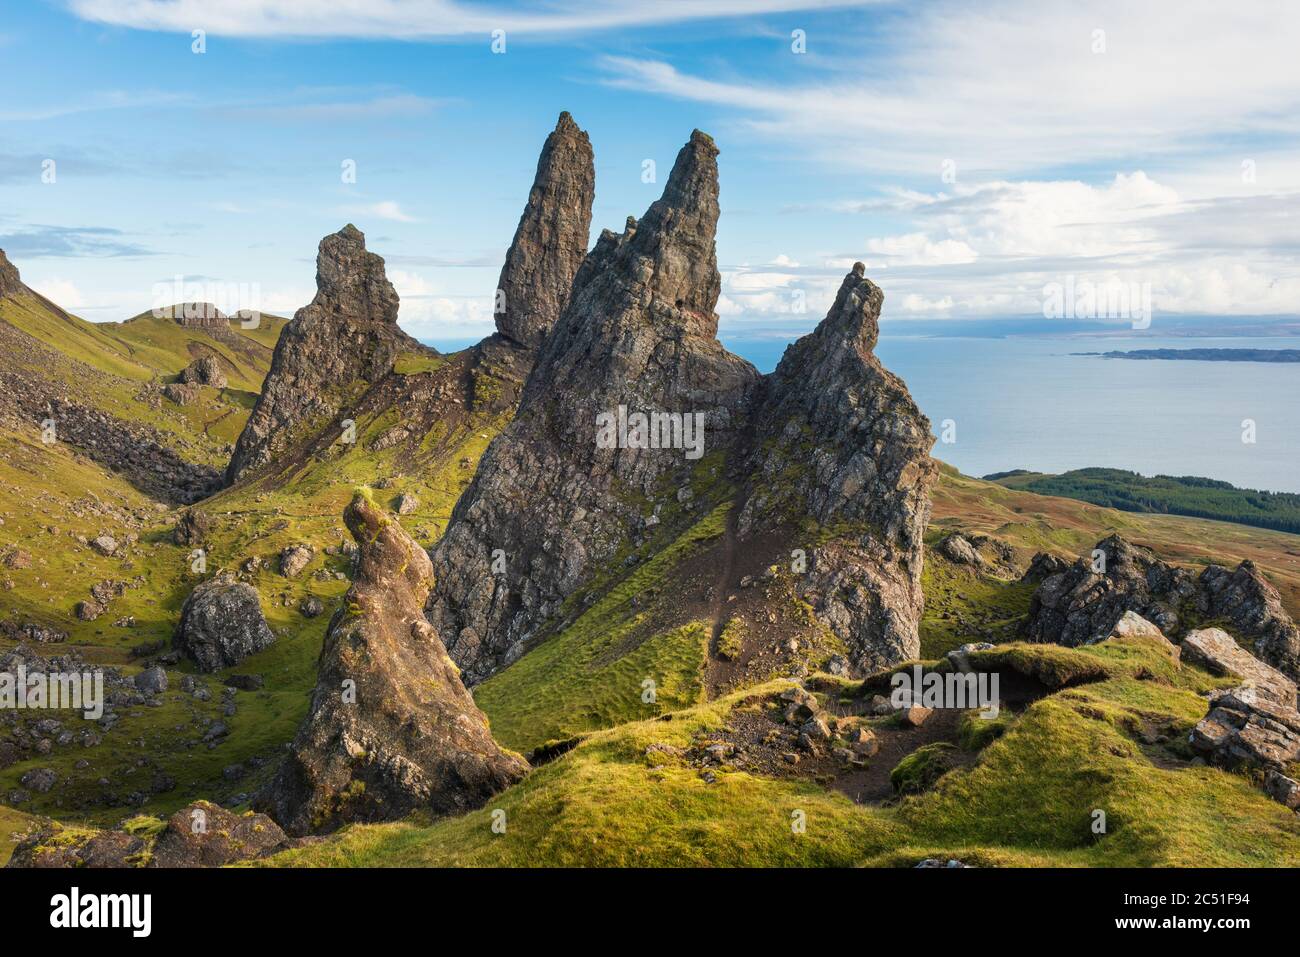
<point x="968" y="153"/>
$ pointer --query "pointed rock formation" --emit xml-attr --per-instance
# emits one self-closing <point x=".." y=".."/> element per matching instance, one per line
<point x="346" y="338"/>
<point x="639" y="334"/>
<point x="390" y="729"/>
<point x="551" y="239"/>
<point x="839" y="439"/>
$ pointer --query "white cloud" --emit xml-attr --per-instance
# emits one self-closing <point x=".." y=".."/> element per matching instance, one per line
<point x="1014" y="85"/>
<point x="919" y="249"/>
<point x="63" y="292"/>
<point x="988" y="249"/>
<point x="386" y="209"/>
<point x="416" y="19"/>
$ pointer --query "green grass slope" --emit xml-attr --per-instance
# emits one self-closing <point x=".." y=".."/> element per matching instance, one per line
<point x="1028" y="798"/>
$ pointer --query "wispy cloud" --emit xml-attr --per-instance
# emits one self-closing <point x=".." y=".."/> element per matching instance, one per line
<point x="36" y="241"/>
<point x="375" y="108"/>
<point x="418" y="19"/>
<point x="1018" y="85"/>
<point x="95" y="102"/>
<point x="385" y="209"/>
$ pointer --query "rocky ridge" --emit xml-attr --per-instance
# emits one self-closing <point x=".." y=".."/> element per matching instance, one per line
<point x="640" y="336"/>
<point x="1080" y="603"/>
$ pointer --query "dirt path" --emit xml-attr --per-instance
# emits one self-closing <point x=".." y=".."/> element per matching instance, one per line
<point x="722" y="588"/>
<point x="208" y="425"/>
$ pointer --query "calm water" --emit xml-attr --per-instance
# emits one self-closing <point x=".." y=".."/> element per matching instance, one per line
<point x="1028" y="403"/>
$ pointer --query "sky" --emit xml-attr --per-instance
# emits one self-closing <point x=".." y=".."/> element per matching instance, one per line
<point x="973" y="155"/>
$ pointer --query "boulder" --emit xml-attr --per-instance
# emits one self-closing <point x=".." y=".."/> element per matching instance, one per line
<point x="206" y="835"/>
<point x="182" y="393"/>
<point x="40" y="780"/>
<point x="152" y="680"/>
<point x="88" y="610"/>
<point x="958" y="549"/>
<point x="222" y="624"/>
<point x="205" y="370"/>
<point x="193" y="528"/>
<point x="1245" y="729"/>
<point x="1217" y="651"/>
<point x="294" y="558"/>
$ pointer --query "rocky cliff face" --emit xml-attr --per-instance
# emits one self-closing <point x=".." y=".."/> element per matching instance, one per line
<point x="10" y="283"/>
<point x="839" y="439"/>
<point x="1079" y="603"/>
<point x="639" y="334"/>
<point x="565" y="486"/>
<point x="391" y="729"/>
<point x="551" y="240"/>
<point x="344" y="340"/>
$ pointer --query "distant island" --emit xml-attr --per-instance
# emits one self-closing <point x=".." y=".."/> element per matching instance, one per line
<point x="1168" y="494"/>
<point x="1204" y="355"/>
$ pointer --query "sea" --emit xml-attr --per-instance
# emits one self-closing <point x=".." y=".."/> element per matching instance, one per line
<point x="1031" y="402"/>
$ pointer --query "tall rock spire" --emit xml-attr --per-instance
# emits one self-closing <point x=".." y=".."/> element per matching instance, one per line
<point x="871" y="470"/>
<point x="551" y="239"/>
<point x="390" y="728"/>
<point x="639" y="334"/>
<point x="347" y="334"/>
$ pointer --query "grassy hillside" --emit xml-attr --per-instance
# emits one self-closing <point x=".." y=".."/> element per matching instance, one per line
<point x="637" y="795"/>
<point x="143" y="347"/>
<point x="1022" y="792"/>
<point x="53" y="524"/>
<point x="1167" y="494"/>
<point x="119" y="367"/>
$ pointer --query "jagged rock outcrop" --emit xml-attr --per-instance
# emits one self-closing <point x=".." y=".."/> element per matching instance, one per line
<point x="1253" y="607"/>
<point x="10" y="282"/>
<point x="639" y="334"/>
<point x="551" y="240"/>
<point x="347" y="336"/>
<point x="1083" y="602"/>
<point x="563" y="488"/>
<point x="1080" y="603"/>
<point x="391" y="728"/>
<point x="197" y="315"/>
<point x="839" y="439"/>
<point x="221" y="624"/>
